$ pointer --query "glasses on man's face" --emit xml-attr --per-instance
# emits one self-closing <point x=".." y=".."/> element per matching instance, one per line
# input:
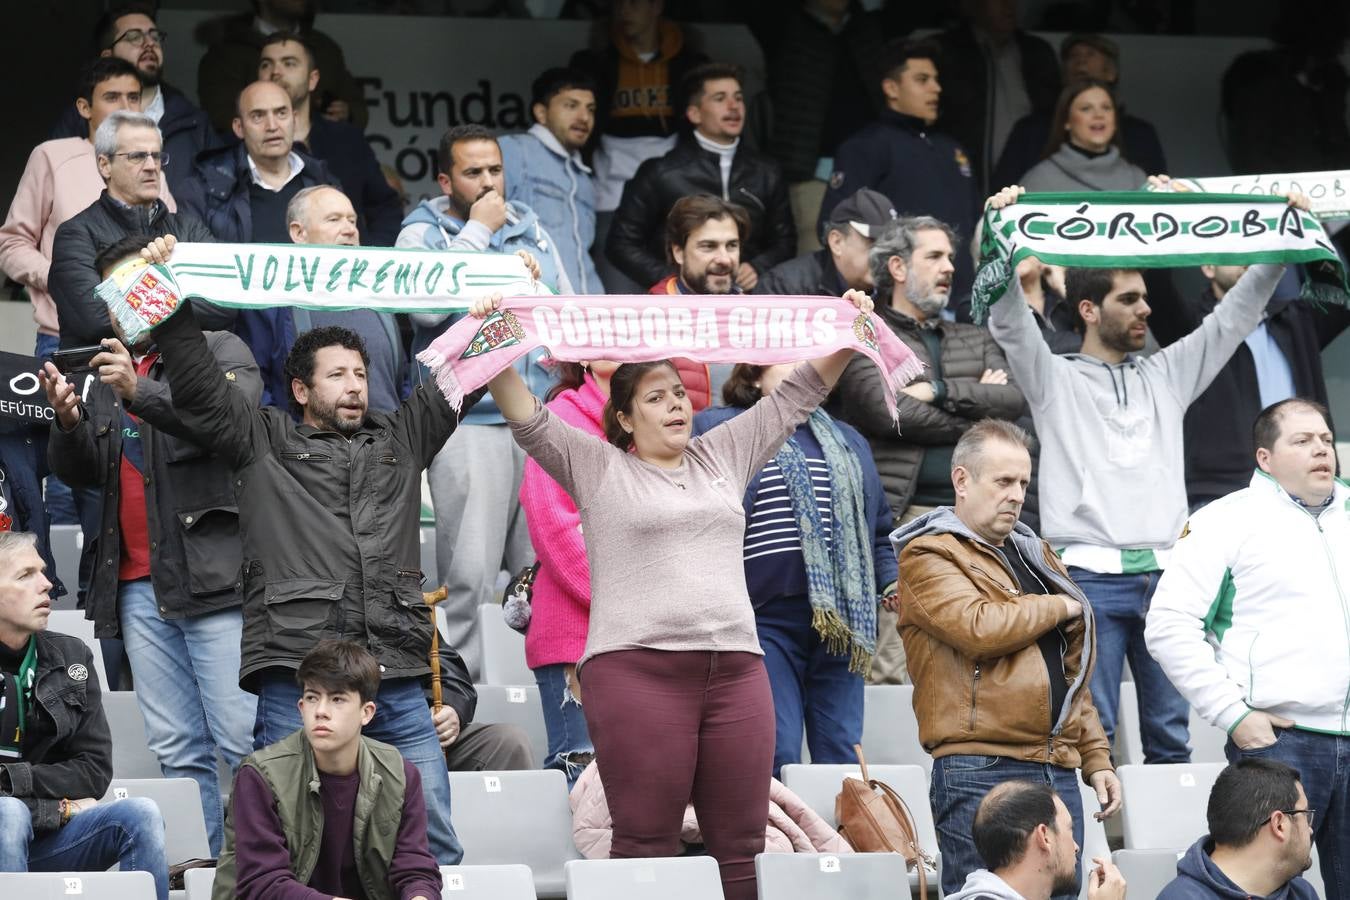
<point x="138" y="36"/>
<point x="1310" y="813"/>
<point x="138" y="157"/>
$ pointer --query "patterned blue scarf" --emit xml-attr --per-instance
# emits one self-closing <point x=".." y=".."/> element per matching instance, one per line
<point x="840" y="578"/>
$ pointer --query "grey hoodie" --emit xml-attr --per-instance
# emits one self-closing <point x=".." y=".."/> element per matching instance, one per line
<point x="1112" y="470"/>
<point x="985" y="885"/>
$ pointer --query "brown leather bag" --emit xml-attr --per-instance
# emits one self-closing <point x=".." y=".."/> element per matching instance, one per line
<point x="873" y="819"/>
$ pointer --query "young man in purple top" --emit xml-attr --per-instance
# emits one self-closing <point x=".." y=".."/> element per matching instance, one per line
<point x="326" y="812"/>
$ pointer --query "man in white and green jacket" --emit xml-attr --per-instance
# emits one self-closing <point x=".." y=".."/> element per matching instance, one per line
<point x="1251" y="621"/>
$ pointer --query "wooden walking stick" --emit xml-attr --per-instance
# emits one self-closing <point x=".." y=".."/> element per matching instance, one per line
<point x="431" y="598"/>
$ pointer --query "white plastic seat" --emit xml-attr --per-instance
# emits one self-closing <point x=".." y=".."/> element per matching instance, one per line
<point x="503" y="649"/>
<point x="83" y="885"/>
<point x="180" y="803"/>
<point x="1165" y="804"/>
<point x="514" y="705"/>
<point x="197" y="884"/>
<point x="661" y="878"/>
<point x="132" y="756"/>
<point x="818" y="876"/>
<point x="513" y="882"/>
<point x="73" y="623"/>
<point x="890" y="728"/>
<point x="1146" y="872"/>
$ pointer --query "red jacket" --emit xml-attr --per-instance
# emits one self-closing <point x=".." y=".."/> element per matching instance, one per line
<point x="697" y="380"/>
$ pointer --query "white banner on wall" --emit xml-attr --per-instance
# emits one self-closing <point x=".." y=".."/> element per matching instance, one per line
<point x="423" y="75"/>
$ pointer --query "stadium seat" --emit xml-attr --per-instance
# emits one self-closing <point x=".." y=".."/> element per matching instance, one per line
<point x="812" y="876"/>
<point x="84" y="885"/>
<point x="677" y="878"/>
<point x="132" y="756"/>
<point x="514" y="705"/>
<point x="180" y="803"/>
<point x="67" y="543"/>
<point x="515" y="817"/>
<point x="73" y="623"/>
<point x="890" y="728"/>
<point x="197" y="884"/>
<point x="512" y="882"/>
<point x="503" y="649"/>
<point x="1094" y="833"/>
<point x="1207" y="742"/>
<point x="1129" y="744"/>
<point x="427" y="538"/>
<point x="1165" y="805"/>
<point x="1146" y="872"/>
<point x="818" y="785"/>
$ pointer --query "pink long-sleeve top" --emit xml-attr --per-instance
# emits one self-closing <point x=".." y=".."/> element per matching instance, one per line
<point x="561" y="606"/>
<point x="665" y="545"/>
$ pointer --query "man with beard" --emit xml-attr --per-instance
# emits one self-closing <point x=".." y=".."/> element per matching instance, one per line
<point x="475" y="480"/>
<point x="704" y="237"/>
<point x="1022" y="831"/>
<point x="981" y="594"/>
<point x="328" y="519"/>
<point x="128" y="32"/>
<point x="967" y="380"/>
<point x="1112" y="466"/>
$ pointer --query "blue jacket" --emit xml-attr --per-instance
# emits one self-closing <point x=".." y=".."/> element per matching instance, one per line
<point x="560" y="189"/>
<point x="875" y="506"/>
<point x="219" y="192"/>
<point x="1199" y="879"/>
<point x="432" y="227"/>
<point x="343" y="148"/>
<point x="922" y="172"/>
<point x="185" y="129"/>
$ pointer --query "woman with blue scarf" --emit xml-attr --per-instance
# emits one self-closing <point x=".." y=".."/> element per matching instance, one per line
<point x="817" y="558"/>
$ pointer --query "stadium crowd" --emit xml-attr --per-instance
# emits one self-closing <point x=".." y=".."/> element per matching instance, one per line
<point x="717" y="559"/>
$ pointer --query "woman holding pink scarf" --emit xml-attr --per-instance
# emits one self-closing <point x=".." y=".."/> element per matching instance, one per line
<point x="675" y="692"/>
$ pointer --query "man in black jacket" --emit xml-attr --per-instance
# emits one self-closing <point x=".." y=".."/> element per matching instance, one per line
<point x="164" y="569"/>
<point x="328" y="520"/>
<point x="842" y="263"/>
<point x="288" y="61"/>
<point x="129" y="152"/>
<point x="473" y="746"/>
<point x="129" y="32"/>
<point x="1282" y="358"/>
<point x="709" y="160"/>
<point x="55" y="748"/>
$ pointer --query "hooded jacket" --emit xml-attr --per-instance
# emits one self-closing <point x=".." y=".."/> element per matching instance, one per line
<point x="431" y="226"/>
<point x="970" y="634"/>
<point x="985" y="885"/>
<point x="636" y="243"/>
<point x="1199" y="879"/>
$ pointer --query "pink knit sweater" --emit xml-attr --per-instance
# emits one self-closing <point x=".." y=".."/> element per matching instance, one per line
<point x="562" y="592"/>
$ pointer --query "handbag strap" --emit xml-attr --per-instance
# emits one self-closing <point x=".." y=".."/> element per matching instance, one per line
<point x="898" y="806"/>
<point x="862" y="763"/>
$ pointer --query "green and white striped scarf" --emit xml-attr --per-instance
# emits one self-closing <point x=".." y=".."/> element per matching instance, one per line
<point x="1140" y="230"/>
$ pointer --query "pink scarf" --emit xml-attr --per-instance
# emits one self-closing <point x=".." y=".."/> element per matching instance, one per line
<point x="762" y="330"/>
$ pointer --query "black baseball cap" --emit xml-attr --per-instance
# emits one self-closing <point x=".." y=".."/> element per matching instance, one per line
<point x="864" y="210"/>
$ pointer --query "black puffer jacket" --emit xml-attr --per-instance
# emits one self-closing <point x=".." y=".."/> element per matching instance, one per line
<point x="82" y="317"/>
<point x="329" y="524"/>
<point x="967" y="350"/>
<point x="192" y="518"/>
<point x="637" y="237"/>
<point x="67" y="748"/>
<point x="812" y="275"/>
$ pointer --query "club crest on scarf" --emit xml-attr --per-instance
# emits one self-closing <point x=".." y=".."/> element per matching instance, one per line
<point x="500" y="329"/>
<point x="864" y="332"/>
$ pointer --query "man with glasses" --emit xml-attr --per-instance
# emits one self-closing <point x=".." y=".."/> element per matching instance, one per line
<point x="128" y="32"/>
<point x="1249" y="621"/>
<point x="1259" y="841"/>
<point x="130" y="158"/>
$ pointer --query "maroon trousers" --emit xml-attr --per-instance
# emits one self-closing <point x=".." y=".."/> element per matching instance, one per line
<point x="675" y="727"/>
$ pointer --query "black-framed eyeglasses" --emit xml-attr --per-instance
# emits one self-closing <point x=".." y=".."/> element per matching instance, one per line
<point x="1310" y="813"/>
<point x="136" y="37"/>
<point x="138" y="157"/>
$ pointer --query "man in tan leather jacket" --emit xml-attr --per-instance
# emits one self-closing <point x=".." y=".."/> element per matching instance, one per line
<point x="1000" y="647"/>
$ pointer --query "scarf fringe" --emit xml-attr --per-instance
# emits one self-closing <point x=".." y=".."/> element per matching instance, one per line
<point x="839" y="639"/>
<point x="445" y="377"/>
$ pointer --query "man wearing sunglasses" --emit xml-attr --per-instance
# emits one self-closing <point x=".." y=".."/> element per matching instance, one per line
<point x="1259" y="842"/>
<point x="128" y="31"/>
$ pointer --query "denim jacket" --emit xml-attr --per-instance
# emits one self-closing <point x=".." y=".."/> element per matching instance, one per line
<point x="431" y="226"/>
<point x="561" y="191"/>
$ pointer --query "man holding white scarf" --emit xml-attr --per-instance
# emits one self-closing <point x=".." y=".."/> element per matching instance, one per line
<point x="1113" y="497"/>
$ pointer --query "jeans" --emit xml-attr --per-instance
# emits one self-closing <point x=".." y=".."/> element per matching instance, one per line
<point x="1120" y="604"/>
<point x="565" y="722"/>
<point x="811" y="687"/>
<point x="187" y="685"/>
<point x="958" y="785"/>
<point x="1323" y="763"/>
<point x="129" y="833"/>
<point x="402" y="719"/>
<point x="678" y="727"/>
